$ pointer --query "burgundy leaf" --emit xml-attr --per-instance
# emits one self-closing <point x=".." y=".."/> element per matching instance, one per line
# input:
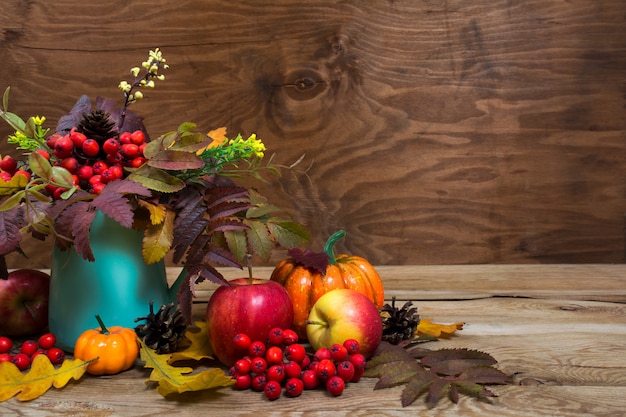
<point x="10" y="223"/>
<point x="80" y="230"/>
<point x="309" y="259"/>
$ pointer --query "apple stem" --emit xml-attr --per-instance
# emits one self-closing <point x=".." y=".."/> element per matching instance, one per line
<point x="103" y="328"/>
<point x="330" y="244"/>
<point x="4" y="271"/>
<point x="317" y="322"/>
<point x="249" y="262"/>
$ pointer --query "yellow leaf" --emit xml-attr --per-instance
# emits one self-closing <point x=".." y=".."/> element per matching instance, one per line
<point x="218" y="135"/>
<point x="17" y="182"/>
<point x="158" y="239"/>
<point x="41" y="376"/>
<point x="157" y="211"/>
<point x="175" y="380"/>
<point x="437" y="330"/>
<point x="200" y="347"/>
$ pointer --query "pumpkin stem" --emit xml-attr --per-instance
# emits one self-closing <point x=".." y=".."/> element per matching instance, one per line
<point x="330" y="244"/>
<point x="103" y="328"/>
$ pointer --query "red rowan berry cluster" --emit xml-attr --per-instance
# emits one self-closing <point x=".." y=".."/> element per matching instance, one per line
<point x="9" y="168"/>
<point x="281" y="362"/>
<point x="22" y="356"/>
<point x="94" y="163"/>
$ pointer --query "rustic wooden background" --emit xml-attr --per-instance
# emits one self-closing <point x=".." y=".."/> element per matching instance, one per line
<point x="434" y="132"/>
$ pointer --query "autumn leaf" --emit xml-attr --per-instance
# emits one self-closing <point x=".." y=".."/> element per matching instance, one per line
<point x="200" y="347"/>
<point x="176" y="380"/>
<point x="426" y="327"/>
<point x="158" y="239"/>
<point x="435" y="372"/>
<point x="41" y="376"/>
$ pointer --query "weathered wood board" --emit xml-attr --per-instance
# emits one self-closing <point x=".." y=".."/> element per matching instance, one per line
<point x="433" y="132"/>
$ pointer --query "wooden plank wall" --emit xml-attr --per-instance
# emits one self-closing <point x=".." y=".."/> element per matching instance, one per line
<point x="434" y="132"/>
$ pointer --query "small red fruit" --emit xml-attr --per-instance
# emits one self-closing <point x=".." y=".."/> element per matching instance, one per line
<point x="137" y="137"/>
<point x="272" y="390"/>
<point x="118" y="171"/>
<point x="125" y="137"/>
<point x="274" y="355"/>
<point x="5" y="344"/>
<point x="295" y="352"/>
<point x="107" y="176"/>
<point x="77" y="138"/>
<point x="358" y="373"/>
<point x="258" y="365"/>
<point x="56" y="355"/>
<point x="47" y="341"/>
<point x="289" y="337"/>
<point x="310" y="379"/>
<point x="37" y="353"/>
<point x="8" y="164"/>
<point x="24" y="173"/>
<point x="90" y="147"/>
<point x="21" y="360"/>
<point x="137" y="162"/>
<point x="338" y="352"/>
<point x="276" y="373"/>
<point x="63" y="147"/>
<point x="115" y="158"/>
<point x="99" y="167"/>
<point x="43" y="153"/>
<point x="276" y="336"/>
<point x="258" y="382"/>
<point x="241" y="341"/>
<point x="85" y="172"/>
<point x="294" y="387"/>
<point x="5" y="357"/>
<point x="335" y="385"/>
<point x="358" y="360"/>
<point x="345" y="370"/>
<point x="243" y="381"/>
<point x="29" y="347"/>
<point x="242" y="366"/>
<point x="326" y="369"/>
<point x="129" y="150"/>
<point x="256" y="348"/>
<point x="292" y="369"/>
<point x="322" y="353"/>
<point x="352" y="345"/>
<point x="97" y="187"/>
<point x="111" y="146"/>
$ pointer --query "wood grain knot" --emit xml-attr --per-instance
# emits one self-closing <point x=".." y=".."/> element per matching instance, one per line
<point x="304" y="84"/>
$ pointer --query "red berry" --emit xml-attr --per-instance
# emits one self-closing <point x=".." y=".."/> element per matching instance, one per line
<point x="47" y="341"/>
<point x="5" y="344"/>
<point x="358" y="373"/>
<point x="24" y="173"/>
<point x="43" y="153"/>
<point x="8" y="164"/>
<point x="289" y="337"/>
<point x="322" y="353"/>
<point x="335" y="385"/>
<point x="99" y="167"/>
<point x="85" y="172"/>
<point x="57" y="193"/>
<point x="29" y="347"/>
<point x="137" y="162"/>
<point x="306" y="362"/>
<point x="358" y="360"/>
<point x="52" y="140"/>
<point x="56" y="355"/>
<point x="326" y="369"/>
<point x="241" y="341"/>
<point x="97" y="187"/>
<point x="242" y="366"/>
<point x="115" y="158"/>
<point x="258" y="382"/>
<point x="63" y="147"/>
<point x="118" y="171"/>
<point x="352" y="345"/>
<point x="5" y="357"/>
<point x="272" y="390"/>
<point x="243" y="381"/>
<point x="90" y="147"/>
<point x="137" y="137"/>
<point x="95" y="179"/>
<point x="276" y="373"/>
<point x="70" y="163"/>
<point x="256" y="348"/>
<point x="274" y="355"/>
<point x="295" y="352"/>
<point x="310" y="379"/>
<point x="129" y="150"/>
<point x="338" y="352"/>
<point x="111" y="146"/>
<point x="37" y="353"/>
<point x="258" y="365"/>
<point x="125" y="137"/>
<point x="292" y="369"/>
<point x="345" y="370"/>
<point x="21" y="360"/>
<point x="276" y="336"/>
<point x="107" y="176"/>
<point x="77" y="138"/>
<point x="294" y="387"/>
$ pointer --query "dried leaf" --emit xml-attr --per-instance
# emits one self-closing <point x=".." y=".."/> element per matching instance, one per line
<point x="41" y="376"/>
<point x="158" y="238"/>
<point x="156" y="179"/>
<point x="309" y="259"/>
<point x="437" y="330"/>
<point x="175" y="380"/>
<point x="176" y="160"/>
<point x="200" y="347"/>
<point x="17" y="183"/>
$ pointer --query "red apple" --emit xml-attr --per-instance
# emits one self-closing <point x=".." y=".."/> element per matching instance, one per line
<point x="344" y="314"/>
<point x="24" y="303"/>
<point x="251" y="306"/>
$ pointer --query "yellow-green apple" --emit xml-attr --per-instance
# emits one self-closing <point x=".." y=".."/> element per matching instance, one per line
<point x="247" y="305"/>
<point x="24" y="302"/>
<point x="343" y="314"/>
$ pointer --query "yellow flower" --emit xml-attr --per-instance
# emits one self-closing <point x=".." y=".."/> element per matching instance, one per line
<point x="39" y="120"/>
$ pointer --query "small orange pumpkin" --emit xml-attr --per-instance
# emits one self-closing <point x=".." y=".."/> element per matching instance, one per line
<point x="307" y="281"/>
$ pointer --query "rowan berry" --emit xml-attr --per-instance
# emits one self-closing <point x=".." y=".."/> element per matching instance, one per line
<point x="289" y="337"/>
<point x="276" y="373"/>
<point x="358" y="373"/>
<point x="24" y="173"/>
<point x="28" y="347"/>
<point x="138" y="161"/>
<point x="295" y="352"/>
<point x="294" y="387"/>
<point x="258" y="382"/>
<point x="47" y="341"/>
<point x="326" y="369"/>
<point x="310" y="379"/>
<point x="352" y="345"/>
<point x="125" y="137"/>
<point x="335" y="385"/>
<point x="272" y="390"/>
<point x="276" y="336"/>
<point x="256" y="348"/>
<point x="99" y="167"/>
<point x="274" y="355"/>
<point x="322" y="353"/>
<point x="37" y="353"/>
<point x="242" y="341"/>
<point x="292" y="369"/>
<point x="77" y="138"/>
<point x="56" y="355"/>
<point x="345" y="370"/>
<point x="5" y="344"/>
<point x="242" y="381"/>
<point x="84" y="172"/>
<point x="90" y="147"/>
<point x="338" y="352"/>
<point x="63" y="147"/>
<point x="242" y="366"/>
<point x="137" y="137"/>
<point x="21" y="360"/>
<point x="129" y="150"/>
<point x="111" y="146"/>
<point x="258" y="365"/>
<point x="358" y="360"/>
<point x="5" y="357"/>
<point x="8" y="164"/>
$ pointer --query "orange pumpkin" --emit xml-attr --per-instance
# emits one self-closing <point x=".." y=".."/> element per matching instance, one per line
<point x="306" y="284"/>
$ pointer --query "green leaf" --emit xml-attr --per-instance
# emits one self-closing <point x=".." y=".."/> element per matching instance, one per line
<point x="5" y="99"/>
<point x="61" y="177"/>
<point x="262" y="210"/>
<point x="156" y="179"/>
<point x="40" y="166"/>
<point x="158" y="239"/>
<point x="259" y="239"/>
<point x="12" y="201"/>
<point x="175" y="160"/>
<point x="237" y="243"/>
<point x="289" y="234"/>
<point x="13" y="120"/>
<point x="186" y="127"/>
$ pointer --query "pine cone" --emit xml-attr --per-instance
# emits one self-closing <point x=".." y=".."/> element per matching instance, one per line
<point x="399" y="324"/>
<point x="97" y="125"/>
<point x="164" y="330"/>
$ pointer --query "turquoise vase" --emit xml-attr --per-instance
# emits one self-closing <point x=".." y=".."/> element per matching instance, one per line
<point x="118" y="285"/>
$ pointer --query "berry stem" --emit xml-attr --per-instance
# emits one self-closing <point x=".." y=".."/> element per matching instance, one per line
<point x="330" y="244"/>
<point x="103" y="328"/>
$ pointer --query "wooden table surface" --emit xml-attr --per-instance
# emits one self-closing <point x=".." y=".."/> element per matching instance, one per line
<point x="559" y="329"/>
